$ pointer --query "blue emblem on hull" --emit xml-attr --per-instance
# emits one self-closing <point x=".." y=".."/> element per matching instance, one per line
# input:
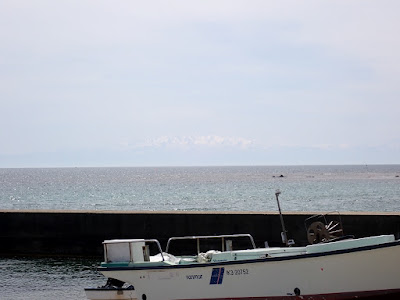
<point x="217" y="275"/>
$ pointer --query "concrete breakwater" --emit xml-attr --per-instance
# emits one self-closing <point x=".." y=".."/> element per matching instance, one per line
<point x="81" y="233"/>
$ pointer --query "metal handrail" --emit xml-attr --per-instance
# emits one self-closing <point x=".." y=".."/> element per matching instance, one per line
<point x="203" y="237"/>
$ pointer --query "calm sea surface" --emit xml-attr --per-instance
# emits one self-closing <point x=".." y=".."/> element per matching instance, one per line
<point x="304" y="188"/>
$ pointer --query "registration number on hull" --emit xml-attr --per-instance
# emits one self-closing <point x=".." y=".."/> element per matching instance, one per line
<point x="237" y="272"/>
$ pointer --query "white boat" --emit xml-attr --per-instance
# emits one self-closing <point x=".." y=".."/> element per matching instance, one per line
<point x="334" y="268"/>
<point x="347" y="269"/>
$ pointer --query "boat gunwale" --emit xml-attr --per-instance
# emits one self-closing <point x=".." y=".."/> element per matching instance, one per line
<point x="251" y="261"/>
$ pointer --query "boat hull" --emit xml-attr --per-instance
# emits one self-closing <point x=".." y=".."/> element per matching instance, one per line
<point x="367" y="272"/>
<point x="110" y="294"/>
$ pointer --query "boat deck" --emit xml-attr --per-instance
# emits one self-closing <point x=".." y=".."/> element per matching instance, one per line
<point x="125" y="257"/>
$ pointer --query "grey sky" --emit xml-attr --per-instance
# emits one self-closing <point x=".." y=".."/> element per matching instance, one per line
<point x="100" y="83"/>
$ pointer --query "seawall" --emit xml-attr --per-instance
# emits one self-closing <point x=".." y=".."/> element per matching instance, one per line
<point x="81" y="233"/>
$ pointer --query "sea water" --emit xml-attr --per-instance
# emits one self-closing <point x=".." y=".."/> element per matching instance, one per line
<point x="304" y="188"/>
<point x="47" y="278"/>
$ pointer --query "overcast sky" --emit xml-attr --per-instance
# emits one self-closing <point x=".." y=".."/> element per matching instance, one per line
<point x="166" y="83"/>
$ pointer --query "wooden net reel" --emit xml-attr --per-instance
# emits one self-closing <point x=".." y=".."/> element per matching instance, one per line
<point x="319" y="232"/>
